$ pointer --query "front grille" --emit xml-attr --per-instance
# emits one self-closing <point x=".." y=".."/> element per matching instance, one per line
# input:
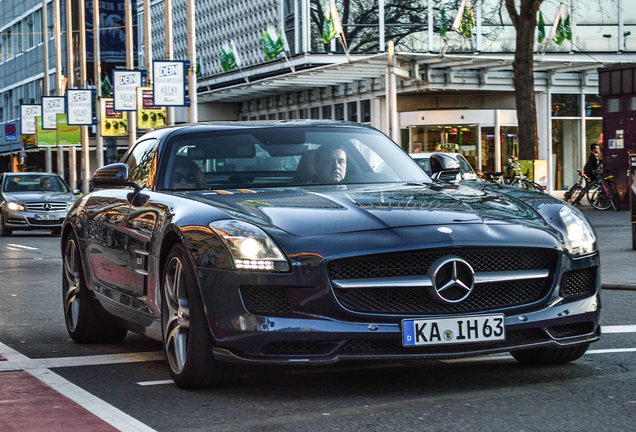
<point x="569" y="330"/>
<point x="578" y="283"/>
<point x="417" y="263"/>
<point x="269" y="300"/>
<point x="415" y="300"/>
<point x="40" y="206"/>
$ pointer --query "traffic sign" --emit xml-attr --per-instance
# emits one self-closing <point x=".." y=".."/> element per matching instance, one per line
<point x="10" y="132"/>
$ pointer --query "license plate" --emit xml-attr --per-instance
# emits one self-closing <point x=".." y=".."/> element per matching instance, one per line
<point x="440" y="331"/>
<point x="47" y="217"/>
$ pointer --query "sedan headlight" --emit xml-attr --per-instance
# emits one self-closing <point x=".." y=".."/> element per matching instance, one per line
<point x="250" y="247"/>
<point x="580" y="238"/>
<point x="15" y="206"/>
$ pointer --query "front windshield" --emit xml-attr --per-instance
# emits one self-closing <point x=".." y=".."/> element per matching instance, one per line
<point x="34" y="183"/>
<point x="277" y="156"/>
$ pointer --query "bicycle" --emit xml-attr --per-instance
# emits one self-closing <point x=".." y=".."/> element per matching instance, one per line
<point x="603" y="194"/>
<point x="578" y="191"/>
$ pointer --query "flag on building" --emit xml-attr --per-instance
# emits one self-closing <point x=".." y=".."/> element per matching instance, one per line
<point x="443" y="23"/>
<point x="107" y="88"/>
<point x="274" y="42"/>
<point x="229" y="57"/>
<point x="464" y="20"/>
<point x="559" y="31"/>
<point x="541" y="29"/>
<point x="199" y="69"/>
<point x="567" y="25"/>
<point x="331" y="27"/>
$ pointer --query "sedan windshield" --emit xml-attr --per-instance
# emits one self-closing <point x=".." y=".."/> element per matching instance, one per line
<point x="34" y="183"/>
<point x="285" y="156"/>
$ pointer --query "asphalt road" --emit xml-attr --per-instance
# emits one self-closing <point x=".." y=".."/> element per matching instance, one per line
<point x="126" y="386"/>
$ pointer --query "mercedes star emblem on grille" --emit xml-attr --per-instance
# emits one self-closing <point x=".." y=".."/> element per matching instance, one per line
<point x="46" y="206"/>
<point x="452" y="279"/>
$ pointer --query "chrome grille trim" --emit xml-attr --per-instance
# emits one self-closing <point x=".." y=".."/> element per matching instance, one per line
<point x="39" y="206"/>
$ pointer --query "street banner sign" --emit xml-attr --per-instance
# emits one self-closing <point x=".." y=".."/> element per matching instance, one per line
<point x="79" y="107"/>
<point x="28" y="113"/>
<point x="51" y="107"/>
<point x="125" y="83"/>
<point x="169" y="85"/>
<point x="68" y="135"/>
<point x="10" y="132"/>
<point x="148" y="115"/>
<point x="44" y="137"/>
<point x="114" y="123"/>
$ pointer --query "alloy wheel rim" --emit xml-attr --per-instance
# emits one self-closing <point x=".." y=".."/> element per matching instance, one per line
<point x="72" y="277"/>
<point x="177" y="320"/>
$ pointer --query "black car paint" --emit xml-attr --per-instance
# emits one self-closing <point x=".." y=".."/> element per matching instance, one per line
<point x="132" y="241"/>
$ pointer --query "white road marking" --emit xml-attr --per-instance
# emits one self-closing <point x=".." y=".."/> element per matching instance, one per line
<point x="13" y="249"/>
<point x="111" y="415"/>
<point x="612" y="350"/>
<point x="48" y="363"/>
<point x="151" y="383"/>
<point x="619" y="329"/>
<point x="23" y="247"/>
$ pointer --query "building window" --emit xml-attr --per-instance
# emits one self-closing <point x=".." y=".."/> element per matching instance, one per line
<point x="340" y="111"/>
<point x="365" y="110"/>
<point x="326" y="112"/>
<point x="632" y="103"/>
<point x="566" y="105"/>
<point x="304" y="113"/>
<point x="315" y="113"/>
<point x="593" y="106"/>
<point x="292" y="115"/>
<point x="272" y="116"/>
<point x="614" y="105"/>
<point x="352" y="111"/>
<point x="282" y="116"/>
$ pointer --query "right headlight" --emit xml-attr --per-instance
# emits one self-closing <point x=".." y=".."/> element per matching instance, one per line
<point x="15" y="206"/>
<point x="250" y="247"/>
<point x="580" y="239"/>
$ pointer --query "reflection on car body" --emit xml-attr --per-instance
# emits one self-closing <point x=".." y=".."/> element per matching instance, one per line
<point x="265" y="265"/>
<point x="466" y="170"/>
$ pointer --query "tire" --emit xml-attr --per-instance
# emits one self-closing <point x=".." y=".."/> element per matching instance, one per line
<point x="571" y="195"/>
<point x="4" y="231"/>
<point x="599" y="199"/>
<point x="187" y="339"/>
<point x="85" y="323"/>
<point x="549" y="356"/>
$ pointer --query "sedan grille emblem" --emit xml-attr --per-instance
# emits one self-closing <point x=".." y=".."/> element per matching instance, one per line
<point x="452" y="279"/>
<point x="46" y="206"/>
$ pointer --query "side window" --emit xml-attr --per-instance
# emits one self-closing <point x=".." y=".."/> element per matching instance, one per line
<point x="142" y="162"/>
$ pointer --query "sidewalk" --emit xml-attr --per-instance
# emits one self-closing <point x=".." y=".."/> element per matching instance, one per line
<point x="614" y="236"/>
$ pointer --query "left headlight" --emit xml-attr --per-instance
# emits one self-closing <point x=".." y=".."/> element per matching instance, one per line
<point x="250" y="247"/>
<point x="15" y="206"/>
<point x="580" y="238"/>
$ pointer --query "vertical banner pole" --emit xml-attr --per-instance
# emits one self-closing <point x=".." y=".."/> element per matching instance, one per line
<point x="148" y="42"/>
<point x="97" y="70"/>
<point x="58" y="74"/>
<point x="192" y="56"/>
<point x="86" y="168"/>
<point x="169" y="49"/>
<point x="130" y="65"/>
<point x="70" y="75"/>
<point x="45" y="80"/>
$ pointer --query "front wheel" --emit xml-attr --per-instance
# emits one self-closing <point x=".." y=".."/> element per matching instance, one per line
<point x="187" y="339"/>
<point x="4" y="231"/>
<point x="599" y="199"/>
<point x="526" y="184"/>
<point x="549" y="356"/>
<point x="572" y="194"/>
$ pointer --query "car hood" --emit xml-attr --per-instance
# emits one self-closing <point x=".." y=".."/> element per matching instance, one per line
<point x="27" y="197"/>
<point x="338" y="209"/>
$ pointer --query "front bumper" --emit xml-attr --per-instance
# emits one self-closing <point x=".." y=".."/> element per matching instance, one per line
<point x="28" y="220"/>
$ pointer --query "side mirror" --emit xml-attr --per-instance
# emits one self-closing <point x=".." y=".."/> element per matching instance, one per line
<point x="444" y="166"/>
<point x="112" y="176"/>
<point x="76" y="192"/>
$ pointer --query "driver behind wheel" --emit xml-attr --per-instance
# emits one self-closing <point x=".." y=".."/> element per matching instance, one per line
<point x="186" y="175"/>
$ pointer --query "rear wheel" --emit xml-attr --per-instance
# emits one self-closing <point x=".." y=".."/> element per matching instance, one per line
<point x="615" y="197"/>
<point x="549" y="356"/>
<point x="526" y="184"/>
<point x="187" y="339"/>
<point x="4" y="231"/>
<point x="84" y="322"/>
<point x="572" y="194"/>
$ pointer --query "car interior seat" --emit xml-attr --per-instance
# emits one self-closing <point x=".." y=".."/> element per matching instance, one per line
<point x="305" y="170"/>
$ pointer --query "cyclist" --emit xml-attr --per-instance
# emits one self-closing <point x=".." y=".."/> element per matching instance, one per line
<point x="591" y="170"/>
